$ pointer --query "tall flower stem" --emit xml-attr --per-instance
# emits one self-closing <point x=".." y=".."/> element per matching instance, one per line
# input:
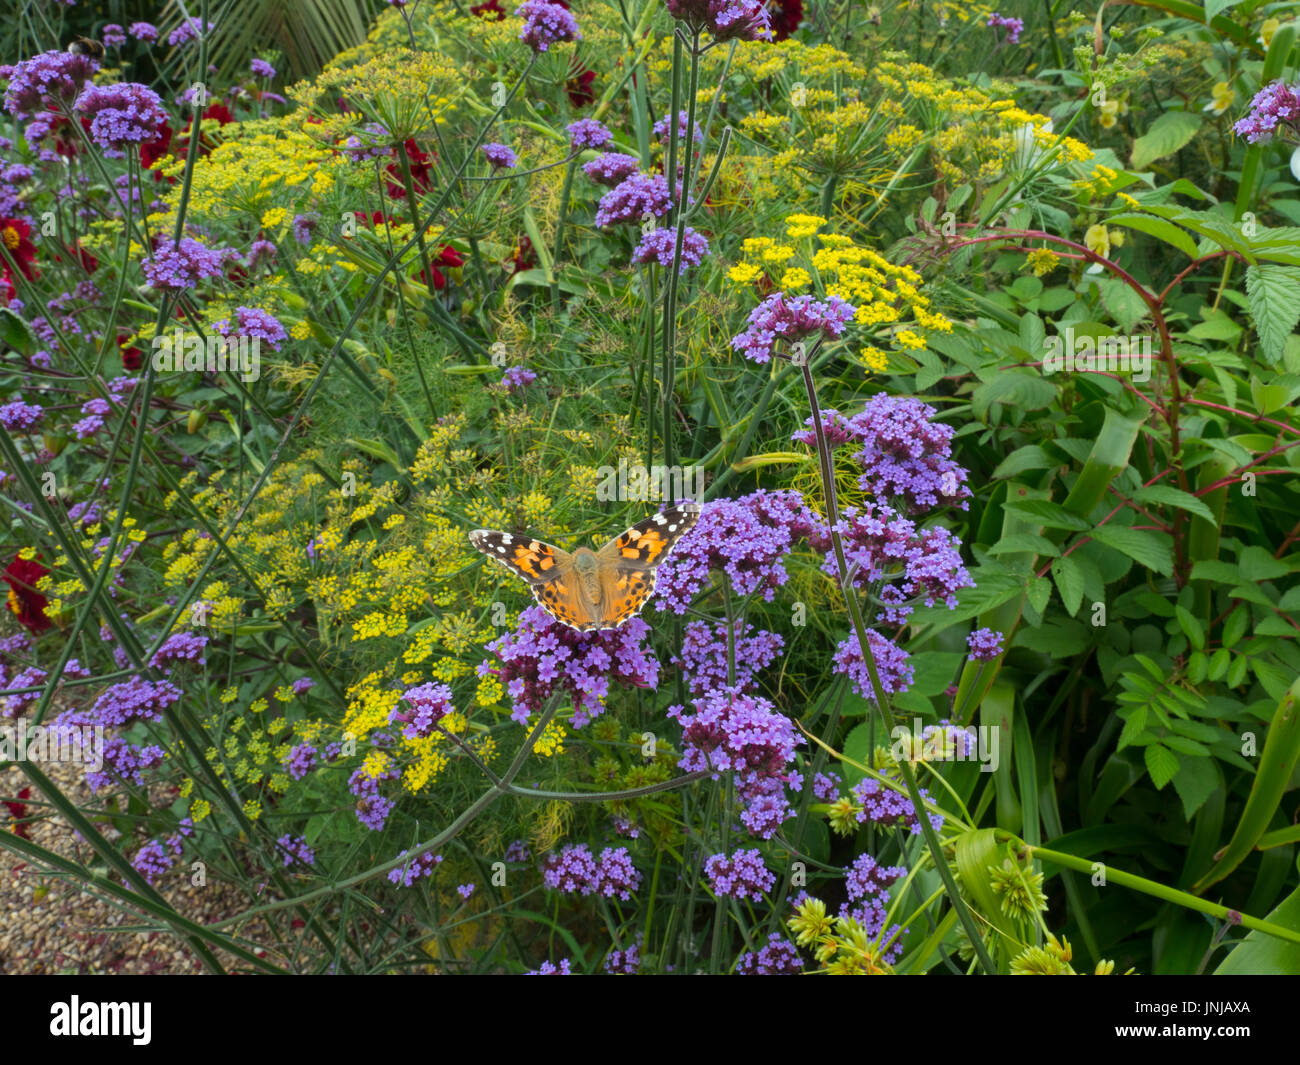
<point x="559" y="232"/>
<point x="413" y="207"/>
<point x="827" y="465"/>
<point x="677" y="216"/>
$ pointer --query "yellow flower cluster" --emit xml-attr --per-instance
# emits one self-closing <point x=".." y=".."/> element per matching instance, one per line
<point x="840" y="944"/>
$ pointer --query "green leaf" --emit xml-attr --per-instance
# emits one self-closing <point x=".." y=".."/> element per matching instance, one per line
<point x="1195" y="782"/>
<point x="1047" y="513"/>
<point x="1167" y="495"/>
<point x="1191" y="626"/>
<point x="1260" y="954"/>
<point x="1069" y="582"/>
<point x="1277" y="762"/>
<point x="376" y="449"/>
<point x="1274" y="296"/>
<point x="1158" y="228"/>
<point x="1029" y="457"/>
<point x="1152" y="550"/>
<point x="1167" y="134"/>
<point x="1040" y="593"/>
<point x="1214" y="570"/>
<point x="1256" y="564"/>
<point x="1022" y="390"/>
<point x="1162" y="764"/>
<point x="1010" y="545"/>
<point x="16" y="333"/>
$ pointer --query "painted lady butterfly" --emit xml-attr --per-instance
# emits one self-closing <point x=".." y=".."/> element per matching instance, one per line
<point x="589" y="590"/>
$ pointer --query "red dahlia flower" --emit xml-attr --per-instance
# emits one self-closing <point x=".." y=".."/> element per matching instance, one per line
<point x="420" y="168"/>
<point x="132" y="357"/>
<point x="450" y="259"/>
<point x="27" y="604"/>
<point x="581" y="94"/>
<point x="786" y="15"/>
<point x="15" y="233"/>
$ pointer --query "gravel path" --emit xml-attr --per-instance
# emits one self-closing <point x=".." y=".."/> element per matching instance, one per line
<point x="48" y="924"/>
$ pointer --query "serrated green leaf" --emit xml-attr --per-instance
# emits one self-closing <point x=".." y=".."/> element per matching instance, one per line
<point x="1191" y="626"/>
<point x="1069" y="582"/>
<point x="1021" y="542"/>
<point x="1029" y="457"/>
<point x="1045" y="512"/>
<point x="1152" y="550"/>
<point x="1274" y="295"/>
<point x="1040" y="593"/>
<point x="1195" y="782"/>
<point x="1167" y="134"/>
<point x="1167" y="495"/>
<point x="1159" y="228"/>
<point x="1161" y="763"/>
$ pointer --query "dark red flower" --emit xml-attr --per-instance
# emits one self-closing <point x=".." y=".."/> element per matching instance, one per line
<point x="421" y="165"/>
<point x="375" y="218"/>
<point x="88" y="262"/>
<point x="449" y="258"/>
<point x="132" y="358"/>
<point x="27" y="604"/>
<point x="7" y="293"/>
<point x="18" y="811"/>
<point x="16" y="234"/>
<point x="579" y="88"/>
<point x="786" y="15"/>
<point x="489" y="9"/>
<point x="152" y="151"/>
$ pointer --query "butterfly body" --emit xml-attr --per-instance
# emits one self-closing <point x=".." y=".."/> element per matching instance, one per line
<point x="591" y="590"/>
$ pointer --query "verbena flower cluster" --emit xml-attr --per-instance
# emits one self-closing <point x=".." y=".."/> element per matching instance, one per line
<point x="906" y="456"/>
<point x="543" y="656"/>
<point x="791" y="319"/>
<point x="575" y="870"/>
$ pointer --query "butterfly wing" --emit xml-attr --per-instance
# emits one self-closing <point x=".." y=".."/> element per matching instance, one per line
<point x="547" y="570"/>
<point x="628" y="562"/>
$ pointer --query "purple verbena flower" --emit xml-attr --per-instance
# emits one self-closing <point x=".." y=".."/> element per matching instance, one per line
<point x="779" y="957"/>
<point x="985" y="644"/>
<point x="1014" y="27"/>
<point x="725" y="20"/>
<point x="544" y="656"/>
<point x="181" y="646"/>
<point x="256" y="324"/>
<point x="1276" y="107"/>
<point x="546" y="24"/>
<point x="51" y="79"/>
<point x="181" y="267"/>
<point x="429" y="703"/>
<point x="634" y="200"/>
<point x="501" y="157"/>
<point x="295" y="849"/>
<point x="612" y="168"/>
<point x="906" y="456"/>
<point x="588" y="133"/>
<point x="657" y="245"/>
<point x="781" y="318"/>
<point x="683" y="118"/>
<point x="122" y="114"/>
<point x="740" y="876"/>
